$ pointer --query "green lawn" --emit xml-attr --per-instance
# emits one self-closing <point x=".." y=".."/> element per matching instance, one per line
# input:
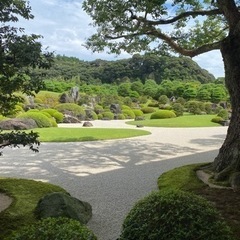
<point x="183" y="121"/>
<point x="85" y="134"/>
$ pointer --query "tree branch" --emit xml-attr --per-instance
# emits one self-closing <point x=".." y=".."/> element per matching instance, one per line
<point x="177" y="18"/>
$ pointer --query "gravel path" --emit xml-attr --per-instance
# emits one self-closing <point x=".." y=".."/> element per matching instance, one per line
<point x="112" y="175"/>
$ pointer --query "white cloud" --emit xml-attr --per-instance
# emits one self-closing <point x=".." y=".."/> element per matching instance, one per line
<point x="65" y="28"/>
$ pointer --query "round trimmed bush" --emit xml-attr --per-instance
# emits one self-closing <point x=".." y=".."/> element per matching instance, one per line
<point x="125" y="107"/>
<point x="100" y="116"/>
<point x="54" y="113"/>
<point x="108" y="115"/>
<point x="217" y="120"/>
<point x="223" y="114"/>
<point x="121" y="116"/>
<point x="148" y="110"/>
<point x="178" y="109"/>
<point x="54" y="229"/>
<point x="41" y="120"/>
<point x="129" y="114"/>
<point x="137" y="112"/>
<point x="161" y="114"/>
<point x="174" y="215"/>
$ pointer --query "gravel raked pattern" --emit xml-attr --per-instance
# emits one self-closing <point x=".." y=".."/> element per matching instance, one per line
<point x="112" y="175"/>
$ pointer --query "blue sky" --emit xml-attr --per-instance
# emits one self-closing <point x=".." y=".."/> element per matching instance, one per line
<point x="65" y="27"/>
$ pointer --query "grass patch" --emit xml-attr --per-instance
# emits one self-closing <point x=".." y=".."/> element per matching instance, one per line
<point x="85" y="134"/>
<point x="183" y="121"/>
<point x="25" y="194"/>
<point x="182" y="178"/>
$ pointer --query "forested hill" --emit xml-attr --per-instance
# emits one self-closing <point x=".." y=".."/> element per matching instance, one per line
<point x="138" y="67"/>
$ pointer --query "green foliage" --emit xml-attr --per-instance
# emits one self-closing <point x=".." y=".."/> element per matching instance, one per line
<point x="178" y="109"/>
<point x="217" y="120"/>
<point x="223" y="114"/>
<point x="193" y="107"/>
<point x="128" y="113"/>
<point x="71" y="108"/>
<point x="49" y="99"/>
<point x="54" y="113"/>
<point x="174" y="215"/>
<point x="54" y="229"/>
<point x="161" y="114"/>
<point x="121" y="116"/>
<point x="148" y="110"/>
<point x="16" y="138"/>
<point x="41" y="120"/>
<point x="163" y="99"/>
<point x="107" y="115"/>
<point x="137" y="112"/>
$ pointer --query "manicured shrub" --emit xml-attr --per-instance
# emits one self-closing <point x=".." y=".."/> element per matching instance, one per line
<point x="71" y="109"/>
<point x="54" y="113"/>
<point x="129" y="114"/>
<point x="41" y="120"/>
<point x="178" y="109"/>
<point x="217" y="120"/>
<point x="153" y="104"/>
<point x="161" y="114"/>
<point x="98" y="109"/>
<point x="137" y="112"/>
<point x="223" y="114"/>
<point x="54" y="229"/>
<point x="121" y="116"/>
<point x="174" y="215"/>
<point x="208" y="107"/>
<point x="163" y="99"/>
<point x="108" y="115"/>
<point x="148" y="110"/>
<point x="100" y="116"/>
<point x="125" y="107"/>
<point x="33" y="110"/>
<point x="194" y="107"/>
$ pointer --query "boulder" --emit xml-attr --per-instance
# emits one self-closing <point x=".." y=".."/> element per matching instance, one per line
<point x="63" y="205"/>
<point x="115" y="108"/>
<point x="87" y="124"/>
<point x="17" y="124"/>
<point x="70" y="119"/>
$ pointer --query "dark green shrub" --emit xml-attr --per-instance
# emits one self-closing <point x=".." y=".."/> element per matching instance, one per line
<point x="153" y="104"/>
<point x="98" y="109"/>
<point x="174" y="215"/>
<point x="208" y="107"/>
<point x="41" y="120"/>
<point x="223" y="114"/>
<point x="163" y="99"/>
<point x="107" y="115"/>
<point x="100" y="116"/>
<point x="178" y="109"/>
<point x="217" y="120"/>
<point x="148" y="110"/>
<point x="129" y="114"/>
<point x="161" y="114"/>
<point x="194" y="107"/>
<point x="71" y="109"/>
<point x="54" y="229"/>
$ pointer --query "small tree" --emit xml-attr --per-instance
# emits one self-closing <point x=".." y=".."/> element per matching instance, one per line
<point x="19" y="54"/>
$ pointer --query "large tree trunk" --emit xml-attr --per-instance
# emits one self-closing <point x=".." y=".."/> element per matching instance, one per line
<point x="228" y="159"/>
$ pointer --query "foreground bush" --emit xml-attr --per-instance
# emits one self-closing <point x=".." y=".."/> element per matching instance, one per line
<point x="174" y="215"/>
<point x="54" y="229"/>
<point x="148" y="110"/>
<point x="217" y="120"/>
<point x="223" y="114"/>
<point x="128" y="113"/>
<point x="161" y="114"/>
<point x="41" y="119"/>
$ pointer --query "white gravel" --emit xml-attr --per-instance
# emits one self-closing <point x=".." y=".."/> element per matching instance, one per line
<point x="112" y="175"/>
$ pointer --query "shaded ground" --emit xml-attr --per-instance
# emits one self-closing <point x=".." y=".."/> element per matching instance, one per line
<point x="227" y="202"/>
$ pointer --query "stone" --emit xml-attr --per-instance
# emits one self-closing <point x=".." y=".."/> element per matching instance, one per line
<point x="139" y="126"/>
<point x="115" y="108"/>
<point x="70" y="119"/>
<point x="87" y="124"/>
<point x="17" y="124"/>
<point x="59" y="204"/>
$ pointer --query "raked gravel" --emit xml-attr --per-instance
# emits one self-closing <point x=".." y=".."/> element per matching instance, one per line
<point x="112" y="175"/>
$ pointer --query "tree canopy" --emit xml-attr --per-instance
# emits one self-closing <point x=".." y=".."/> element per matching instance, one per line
<point x="19" y="54"/>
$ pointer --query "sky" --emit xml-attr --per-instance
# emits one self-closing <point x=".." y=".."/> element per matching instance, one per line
<point x="65" y="28"/>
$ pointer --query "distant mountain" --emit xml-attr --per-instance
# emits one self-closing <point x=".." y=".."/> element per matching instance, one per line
<point x="144" y="67"/>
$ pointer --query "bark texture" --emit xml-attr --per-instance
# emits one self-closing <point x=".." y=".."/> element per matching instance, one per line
<point x="228" y="159"/>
